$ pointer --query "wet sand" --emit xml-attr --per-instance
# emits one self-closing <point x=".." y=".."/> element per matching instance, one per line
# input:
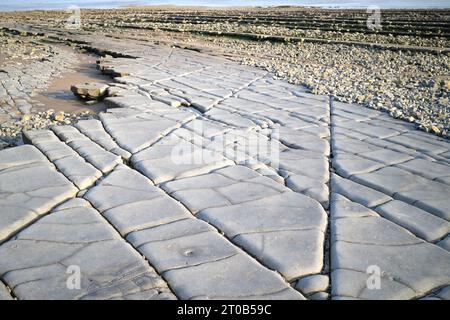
<point x="58" y="95"/>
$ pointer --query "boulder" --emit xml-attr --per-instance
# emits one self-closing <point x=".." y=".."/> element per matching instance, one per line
<point x="91" y="90"/>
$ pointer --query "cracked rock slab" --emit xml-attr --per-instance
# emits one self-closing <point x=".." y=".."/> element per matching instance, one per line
<point x="230" y="172"/>
<point x="426" y="226"/>
<point x="93" y="153"/>
<point x="408" y="266"/>
<point x="65" y="159"/>
<point x="282" y="229"/>
<point x="89" y="90"/>
<point x="313" y="284"/>
<point x="94" y="130"/>
<point x="75" y="240"/>
<point x="29" y="187"/>
<point x="236" y="277"/>
<point x="174" y="241"/>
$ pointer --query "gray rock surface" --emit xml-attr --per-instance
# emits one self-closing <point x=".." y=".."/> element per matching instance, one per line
<point x="221" y="177"/>
<point x="177" y="243"/>
<point x="29" y="187"/>
<point x="40" y="261"/>
<point x="313" y="284"/>
<point x="89" y="90"/>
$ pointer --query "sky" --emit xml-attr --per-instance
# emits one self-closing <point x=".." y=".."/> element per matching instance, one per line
<point x="9" y="5"/>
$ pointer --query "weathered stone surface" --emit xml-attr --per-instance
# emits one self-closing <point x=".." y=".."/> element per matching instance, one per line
<point x="192" y="250"/>
<point x="231" y="278"/>
<point x="29" y="188"/>
<point x="288" y="211"/>
<point x="348" y="165"/>
<point x="68" y="162"/>
<point x="173" y="240"/>
<point x="93" y="153"/>
<point x="444" y="293"/>
<point x="177" y="229"/>
<point x="410" y="140"/>
<point x="352" y="285"/>
<point x="89" y="90"/>
<point x="39" y="261"/>
<point x="312" y="284"/>
<point x="131" y="202"/>
<point x="428" y="169"/>
<point x="5" y="294"/>
<point x="357" y="192"/>
<point x="134" y="131"/>
<point x="408" y="266"/>
<point x="309" y="187"/>
<point x="260" y="216"/>
<point x="219" y="175"/>
<point x="145" y="214"/>
<point x="319" y="296"/>
<point x="94" y="130"/>
<point x="292" y="253"/>
<point x="445" y="243"/>
<point x="344" y="208"/>
<point x="428" y="195"/>
<point x="398" y="172"/>
<point x="419" y="222"/>
<point x="174" y="157"/>
<point x="25" y="155"/>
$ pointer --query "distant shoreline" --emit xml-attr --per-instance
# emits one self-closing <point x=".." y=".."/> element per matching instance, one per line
<point x="219" y="7"/>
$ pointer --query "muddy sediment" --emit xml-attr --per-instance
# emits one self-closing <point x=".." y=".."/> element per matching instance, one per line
<point x="35" y="85"/>
<point x="58" y="95"/>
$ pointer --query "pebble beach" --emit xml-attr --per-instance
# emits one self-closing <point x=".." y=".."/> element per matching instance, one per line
<point x="402" y="68"/>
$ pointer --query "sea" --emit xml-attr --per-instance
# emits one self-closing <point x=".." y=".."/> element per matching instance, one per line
<point x="8" y="5"/>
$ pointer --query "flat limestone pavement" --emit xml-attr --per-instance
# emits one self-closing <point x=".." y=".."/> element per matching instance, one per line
<point x="208" y="179"/>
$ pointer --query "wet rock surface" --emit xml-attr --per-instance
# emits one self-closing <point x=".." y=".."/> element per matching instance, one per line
<point x="28" y="66"/>
<point x="90" y="91"/>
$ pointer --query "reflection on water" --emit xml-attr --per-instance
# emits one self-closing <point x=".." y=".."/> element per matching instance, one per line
<point x="59" y="97"/>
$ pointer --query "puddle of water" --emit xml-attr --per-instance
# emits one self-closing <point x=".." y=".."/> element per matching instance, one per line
<point x="58" y="95"/>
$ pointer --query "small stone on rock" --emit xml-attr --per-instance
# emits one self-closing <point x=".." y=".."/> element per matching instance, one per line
<point x="311" y="284"/>
<point x="59" y="116"/>
<point x="91" y="90"/>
